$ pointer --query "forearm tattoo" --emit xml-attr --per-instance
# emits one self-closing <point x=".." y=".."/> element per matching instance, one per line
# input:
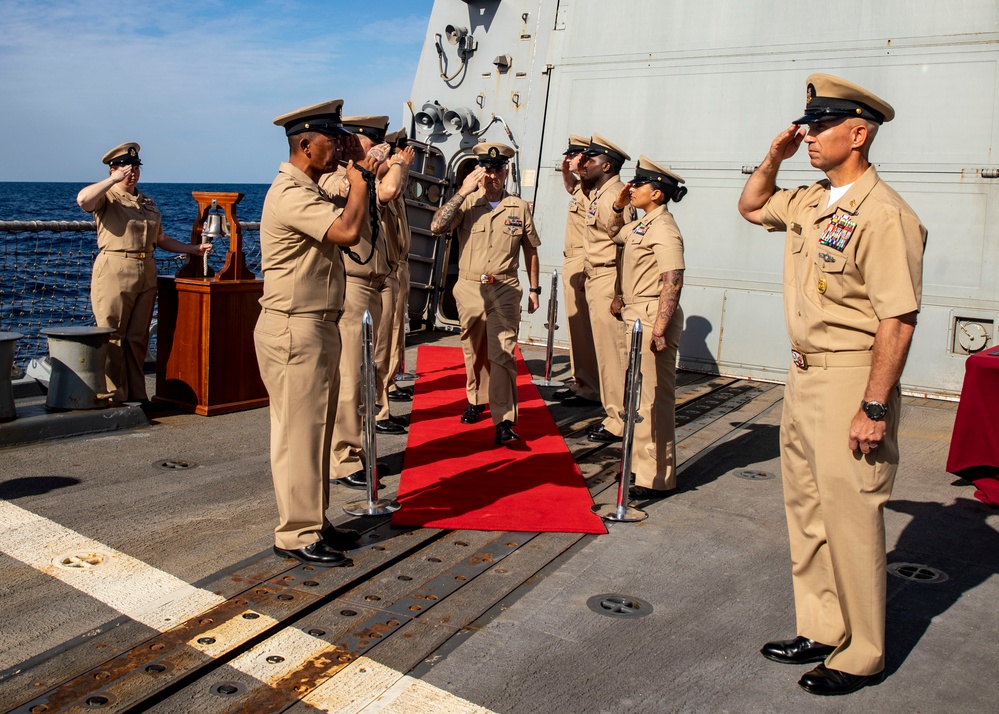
<point x="446" y="215"/>
<point x="669" y="298"/>
<point x="615" y="224"/>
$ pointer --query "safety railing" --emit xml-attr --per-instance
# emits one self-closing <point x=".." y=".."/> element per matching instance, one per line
<point x="45" y="269"/>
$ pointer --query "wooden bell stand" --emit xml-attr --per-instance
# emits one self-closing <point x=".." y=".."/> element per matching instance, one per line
<point x="205" y="358"/>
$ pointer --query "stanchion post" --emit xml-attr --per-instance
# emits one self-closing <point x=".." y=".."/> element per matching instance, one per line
<point x="621" y="511"/>
<point x="552" y="326"/>
<point x="373" y="506"/>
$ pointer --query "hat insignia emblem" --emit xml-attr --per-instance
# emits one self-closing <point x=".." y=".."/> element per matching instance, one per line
<point x="809" y="94"/>
<point x="493" y="152"/>
<point x="132" y="152"/>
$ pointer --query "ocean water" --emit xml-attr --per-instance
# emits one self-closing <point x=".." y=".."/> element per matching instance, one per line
<point x="45" y="275"/>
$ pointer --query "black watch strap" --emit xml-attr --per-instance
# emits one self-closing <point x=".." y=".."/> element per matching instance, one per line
<point x="874" y="410"/>
<point x="536" y="290"/>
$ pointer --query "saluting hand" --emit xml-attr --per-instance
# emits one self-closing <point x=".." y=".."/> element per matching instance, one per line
<point x="473" y="181"/>
<point x="407" y="155"/>
<point x="380" y="152"/>
<point x="787" y="142"/>
<point x="121" y="173"/>
<point x="351" y="148"/>
<point x="623" y="199"/>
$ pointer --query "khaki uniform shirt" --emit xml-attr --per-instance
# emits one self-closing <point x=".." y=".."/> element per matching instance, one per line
<point x="575" y="225"/>
<point x="601" y="250"/>
<point x="846" y="266"/>
<point x="398" y="208"/>
<point x="336" y="185"/>
<point x="127" y="222"/>
<point x="303" y="272"/>
<point x="652" y="246"/>
<point x="490" y="239"/>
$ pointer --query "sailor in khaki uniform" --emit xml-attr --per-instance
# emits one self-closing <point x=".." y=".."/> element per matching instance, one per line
<point x="493" y="228"/>
<point x="123" y="285"/>
<point x="651" y="277"/>
<point x="601" y="168"/>
<point x="397" y="346"/>
<point x="297" y="339"/>
<point x="852" y="286"/>
<point x="368" y="274"/>
<point x="585" y="390"/>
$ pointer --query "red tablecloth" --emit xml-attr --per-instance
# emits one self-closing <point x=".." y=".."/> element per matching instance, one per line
<point x="974" y="445"/>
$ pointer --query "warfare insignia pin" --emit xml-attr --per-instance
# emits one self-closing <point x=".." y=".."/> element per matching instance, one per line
<point x="822" y="285"/>
<point x="826" y="257"/>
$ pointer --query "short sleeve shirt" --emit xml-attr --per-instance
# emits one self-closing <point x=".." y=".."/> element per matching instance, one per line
<point x="378" y="266"/>
<point x="303" y="272"/>
<point x="127" y="222"/>
<point x="601" y="249"/>
<point x="575" y="225"/>
<point x="848" y="265"/>
<point x="490" y="239"/>
<point x="652" y="246"/>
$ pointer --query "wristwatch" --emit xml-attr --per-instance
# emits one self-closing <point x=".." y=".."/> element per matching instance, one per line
<point x="874" y="410"/>
<point x="536" y="290"/>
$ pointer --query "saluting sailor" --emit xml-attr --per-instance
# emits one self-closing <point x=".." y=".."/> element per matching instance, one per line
<point x="397" y="347"/>
<point x="852" y="285"/>
<point x="297" y="339"/>
<point x="123" y="284"/>
<point x="493" y="227"/>
<point x="651" y="278"/>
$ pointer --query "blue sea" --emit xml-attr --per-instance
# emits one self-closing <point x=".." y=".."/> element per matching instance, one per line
<point x="45" y="276"/>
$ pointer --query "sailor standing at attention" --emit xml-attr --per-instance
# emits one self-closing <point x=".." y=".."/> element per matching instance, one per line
<point x="601" y="169"/>
<point x="367" y="278"/>
<point x="651" y="277"/>
<point x="123" y="284"/>
<point x="297" y="338"/>
<point x="585" y="390"/>
<point x="493" y="228"/>
<point x="853" y="261"/>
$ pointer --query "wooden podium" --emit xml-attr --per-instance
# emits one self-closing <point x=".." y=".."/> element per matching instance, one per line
<point x="205" y="359"/>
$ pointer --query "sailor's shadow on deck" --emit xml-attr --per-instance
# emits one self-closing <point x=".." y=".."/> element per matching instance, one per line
<point x="34" y="486"/>
<point x="760" y="443"/>
<point x="954" y="538"/>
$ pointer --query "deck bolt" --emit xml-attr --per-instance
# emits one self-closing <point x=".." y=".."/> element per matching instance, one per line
<point x="275" y="659"/>
<point x="206" y="640"/>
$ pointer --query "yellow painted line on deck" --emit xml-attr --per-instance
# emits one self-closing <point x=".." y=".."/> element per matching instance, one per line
<point x="162" y="601"/>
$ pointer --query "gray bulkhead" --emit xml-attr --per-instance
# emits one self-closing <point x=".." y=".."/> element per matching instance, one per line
<point x="703" y="87"/>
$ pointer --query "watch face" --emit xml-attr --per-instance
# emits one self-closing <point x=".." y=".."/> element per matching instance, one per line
<point x="874" y="410"/>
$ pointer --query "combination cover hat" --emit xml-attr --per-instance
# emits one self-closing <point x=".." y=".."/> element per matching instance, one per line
<point x="371" y="127"/>
<point x="577" y="144"/>
<point x="828" y="98"/>
<point x="324" y="118"/>
<point x="601" y="146"/>
<point x="491" y="153"/>
<point x="662" y="178"/>
<point x="122" y="155"/>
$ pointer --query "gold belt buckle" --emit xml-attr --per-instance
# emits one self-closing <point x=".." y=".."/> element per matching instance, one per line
<point x="487" y="279"/>
<point x="140" y="256"/>
<point x="799" y="359"/>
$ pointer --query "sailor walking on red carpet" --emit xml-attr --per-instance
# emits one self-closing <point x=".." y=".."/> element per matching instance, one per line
<point x="493" y="228"/>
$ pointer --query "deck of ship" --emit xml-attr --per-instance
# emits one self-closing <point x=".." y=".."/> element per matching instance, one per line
<point x="190" y="611"/>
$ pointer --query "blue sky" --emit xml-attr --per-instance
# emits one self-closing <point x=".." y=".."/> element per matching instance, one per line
<point x="195" y="82"/>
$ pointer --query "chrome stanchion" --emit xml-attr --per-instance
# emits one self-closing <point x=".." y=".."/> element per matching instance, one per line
<point x="552" y="317"/>
<point x="621" y="511"/>
<point x="373" y="506"/>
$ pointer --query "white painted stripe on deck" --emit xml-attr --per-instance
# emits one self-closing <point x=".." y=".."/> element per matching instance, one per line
<point x="162" y="601"/>
<point x="128" y="585"/>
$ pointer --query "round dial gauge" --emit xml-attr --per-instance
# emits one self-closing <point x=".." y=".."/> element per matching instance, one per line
<point x="972" y="336"/>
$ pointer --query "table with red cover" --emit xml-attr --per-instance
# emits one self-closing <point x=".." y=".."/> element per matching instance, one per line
<point x="974" y="445"/>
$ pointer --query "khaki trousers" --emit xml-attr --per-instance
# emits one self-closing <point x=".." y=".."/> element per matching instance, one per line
<point x="653" y="455"/>
<point x="348" y="453"/>
<point x="490" y="317"/>
<point x="610" y="343"/>
<point x="398" y="348"/>
<point x="834" y="500"/>
<point x="582" y="354"/>
<point x="383" y="343"/>
<point x="123" y="295"/>
<point x="299" y="360"/>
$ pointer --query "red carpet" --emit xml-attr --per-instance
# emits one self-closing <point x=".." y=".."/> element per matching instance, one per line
<point x="455" y="477"/>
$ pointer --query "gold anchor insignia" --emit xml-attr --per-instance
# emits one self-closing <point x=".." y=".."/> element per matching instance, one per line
<point x="493" y="152"/>
<point x="132" y="152"/>
<point x="809" y="94"/>
<point x="822" y="285"/>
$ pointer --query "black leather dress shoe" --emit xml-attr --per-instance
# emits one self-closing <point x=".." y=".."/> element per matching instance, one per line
<point x="401" y="395"/>
<point x="472" y="413"/>
<point x="800" y="650"/>
<point x="577" y="401"/>
<point x="647" y="494"/>
<point x="339" y="538"/>
<point x="829" y="682"/>
<point x="387" y="426"/>
<point x="603" y="436"/>
<point x="402" y="420"/>
<point x="505" y="433"/>
<point x="318" y="553"/>
<point x="563" y="393"/>
<point x="357" y="480"/>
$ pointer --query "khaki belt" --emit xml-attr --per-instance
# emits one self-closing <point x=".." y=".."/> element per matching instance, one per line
<point x="132" y="254"/>
<point x="483" y="277"/>
<point x="831" y="359"/>
<point x="322" y="315"/>
<point x="375" y="281"/>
